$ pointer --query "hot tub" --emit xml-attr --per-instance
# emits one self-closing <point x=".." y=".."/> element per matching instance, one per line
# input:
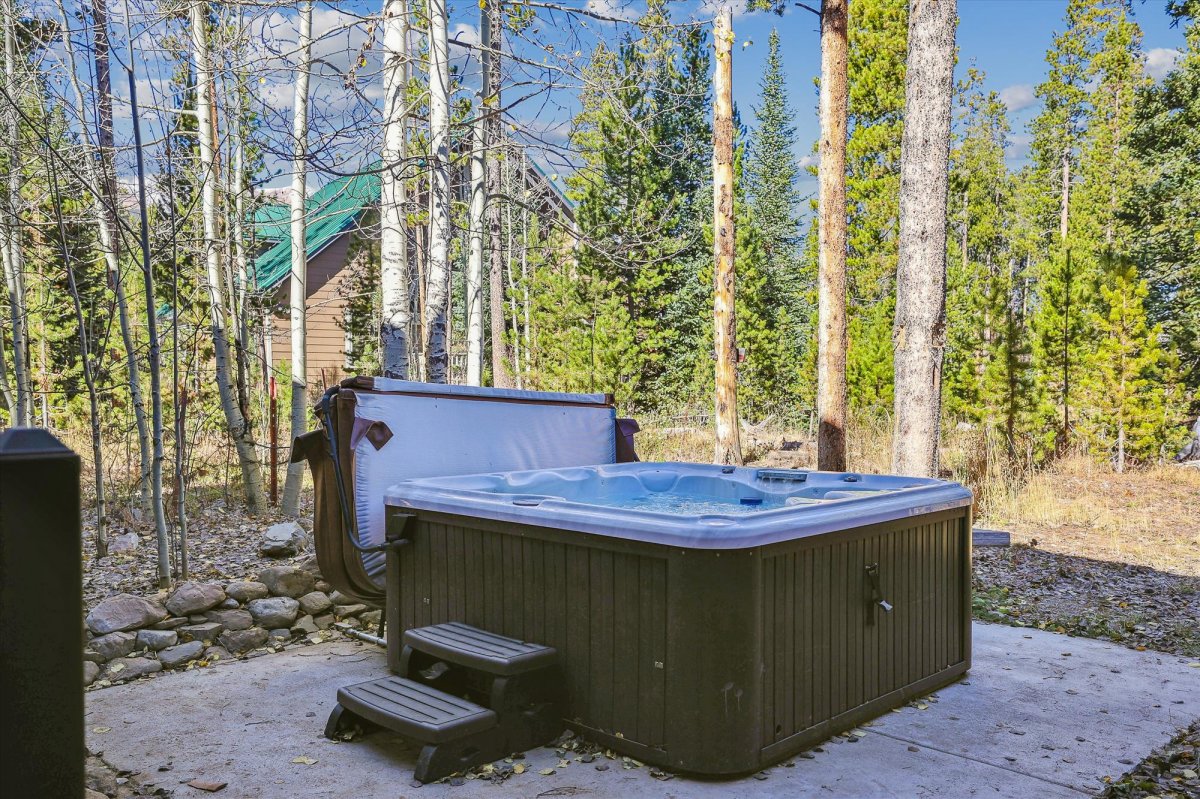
<point x="709" y="619"/>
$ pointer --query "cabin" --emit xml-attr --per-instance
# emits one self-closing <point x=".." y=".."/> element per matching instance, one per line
<point x="340" y="214"/>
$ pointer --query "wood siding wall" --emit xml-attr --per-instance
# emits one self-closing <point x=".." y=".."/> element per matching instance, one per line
<point x="325" y="311"/>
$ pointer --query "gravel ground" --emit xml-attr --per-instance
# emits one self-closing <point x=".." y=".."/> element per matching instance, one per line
<point x="1135" y="606"/>
<point x="1168" y="773"/>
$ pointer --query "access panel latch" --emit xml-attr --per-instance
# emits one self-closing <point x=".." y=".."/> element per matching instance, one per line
<point x="876" y="600"/>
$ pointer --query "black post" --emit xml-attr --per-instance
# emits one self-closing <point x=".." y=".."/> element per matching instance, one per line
<point x="41" y="674"/>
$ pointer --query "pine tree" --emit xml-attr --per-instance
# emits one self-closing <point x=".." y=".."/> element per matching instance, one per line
<point x="771" y="173"/>
<point x="1125" y="388"/>
<point x="1161" y="214"/>
<point x="878" y="44"/>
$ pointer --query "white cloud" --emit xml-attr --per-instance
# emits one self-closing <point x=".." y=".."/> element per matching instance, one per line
<point x="1018" y="97"/>
<point x="1160" y="61"/>
<point x="621" y="9"/>
<point x="809" y="160"/>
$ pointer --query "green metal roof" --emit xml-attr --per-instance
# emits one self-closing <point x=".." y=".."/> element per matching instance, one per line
<point x="271" y="222"/>
<point x="332" y="210"/>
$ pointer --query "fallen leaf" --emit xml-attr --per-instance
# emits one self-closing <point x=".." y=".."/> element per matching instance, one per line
<point x="101" y="729"/>
<point x="519" y="768"/>
<point x="304" y="760"/>
<point x="546" y="772"/>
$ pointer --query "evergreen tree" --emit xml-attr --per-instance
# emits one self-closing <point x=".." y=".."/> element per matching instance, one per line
<point x="771" y="172"/>
<point x="878" y="46"/>
<point x="1160" y="214"/>
<point x="642" y="135"/>
<point x="1125" y="390"/>
<point x="986" y="369"/>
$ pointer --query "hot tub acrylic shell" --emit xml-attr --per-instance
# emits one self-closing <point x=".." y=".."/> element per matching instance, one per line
<point x="714" y="648"/>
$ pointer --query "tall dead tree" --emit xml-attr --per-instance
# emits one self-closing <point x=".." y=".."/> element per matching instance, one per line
<point x="235" y="421"/>
<point x="918" y="338"/>
<point x="729" y="447"/>
<point x="299" y="275"/>
<point x="491" y="41"/>
<point x="438" y="277"/>
<point x="393" y="244"/>
<point x="831" y="228"/>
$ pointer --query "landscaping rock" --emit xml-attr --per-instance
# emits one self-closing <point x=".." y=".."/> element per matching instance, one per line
<point x="229" y="604"/>
<point x="280" y="635"/>
<point x="124" y="669"/>
<point x="123" y="544"/>
<point x="338" y="598"/>
<point x="283" y="540"/>
<point x="371" y="617"/>
<point x="315" y="603"/>
<point x="169" y="624"/>
<point x="287" y="581"/>
<point x="324" y="622"/>
<point x="232" y="619"/>
<point x="197" y="618"/>
<point x="155" y="640"/>
<point x="191" y="598"/>
<point x="124" y="612"/>
<point x="277" y="611"/>
<point x="311" y="566"/>
<point x="216" y="654"/>
<point x="90" y="672"/>
<point x="113" y="645"/>
<point x="93" y="656"/>
<point x="324" y="587"/>
<point x="208" y="631"/>
<point x="304" y="626"/>
<point x="175" y="656"/>
<point x="239" y="641"/>
<point x="246" y="590"/>
<point x="100" y="778"/>
<point x="345" y="611"/>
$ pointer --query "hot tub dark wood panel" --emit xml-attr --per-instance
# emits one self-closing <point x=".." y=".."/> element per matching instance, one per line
<point x="820" y="654"/>
<point x="709" y="661"/>
<point x="604" y="608"/>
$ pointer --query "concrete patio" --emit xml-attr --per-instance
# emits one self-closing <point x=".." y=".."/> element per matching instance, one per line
<point x="1040" y="715"/>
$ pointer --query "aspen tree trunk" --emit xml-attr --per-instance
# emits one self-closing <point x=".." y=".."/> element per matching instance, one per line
<point x="10" y="399"/>
<point x="299" y="275"/>
<point x="14" y="259"/>
<point x="490" y="20"/>
<point x="438" y="288"/>
<point x="155" y="360"/>
<point x="393" y="246"/>
<point x="475" y="257"/>
<point x="239" y="431"/>
<point x="918" y="339"/>
<point x="107" y="206"/>
<point x="729" y="447"/>
<point x="831" y="225"/>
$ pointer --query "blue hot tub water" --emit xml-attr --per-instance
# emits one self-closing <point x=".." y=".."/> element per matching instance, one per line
<point x="698" y="505"/>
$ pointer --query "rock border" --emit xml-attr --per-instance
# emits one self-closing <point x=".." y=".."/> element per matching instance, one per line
<point x="199" y="624"/>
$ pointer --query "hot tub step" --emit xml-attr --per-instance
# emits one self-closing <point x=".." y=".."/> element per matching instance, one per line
<point x="464" y="645"/>
<point x="457" y="734"/>
<point x="414" y="710"/>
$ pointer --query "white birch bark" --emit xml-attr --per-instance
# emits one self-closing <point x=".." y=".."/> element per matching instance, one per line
<point x="298" y="281"/>
<point x="439" y="195"/>
<point x="397" y="304"/>
<point x="918" y="338"/>
<point x="490" y="42"/>
<point x="475" y="257"/>
<point x="239" y="431"/>
<point x="14" y="260"/>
